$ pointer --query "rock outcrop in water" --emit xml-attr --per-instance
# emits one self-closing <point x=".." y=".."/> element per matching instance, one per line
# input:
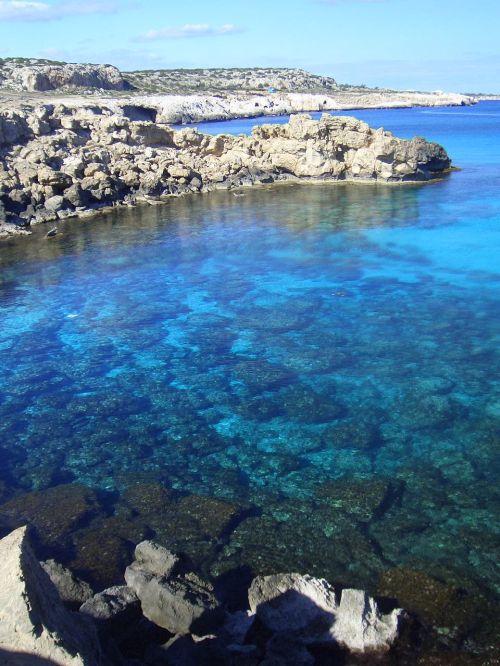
<point x="59" y="161"/>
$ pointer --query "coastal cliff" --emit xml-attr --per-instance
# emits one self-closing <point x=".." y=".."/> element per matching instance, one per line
<point x="61" y="161"/>
<point x="195" y="108"/>
<point x="32" y="75"/>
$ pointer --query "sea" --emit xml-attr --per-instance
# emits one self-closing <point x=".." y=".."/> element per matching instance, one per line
<point x="301" y="378"/>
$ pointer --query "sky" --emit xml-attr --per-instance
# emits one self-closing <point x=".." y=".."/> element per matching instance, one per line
<point x="450" y="45"/>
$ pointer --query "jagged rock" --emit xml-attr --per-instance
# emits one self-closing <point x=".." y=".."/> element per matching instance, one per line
<point x="151" y="560"/>
<point x="311" y="608"/>
<point x="92" y="156"/>
<point x="124" y="632"/>
<point x="182" y="605"/>
<point x="72" y="590"/>
<point x="36" y="76"/>
<point x="297" y="602"/>
<point x="116" y="604"/>
<point x="33" y="620"/>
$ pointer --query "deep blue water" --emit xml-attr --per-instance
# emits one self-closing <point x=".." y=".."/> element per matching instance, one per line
<point x="325" y="354"/>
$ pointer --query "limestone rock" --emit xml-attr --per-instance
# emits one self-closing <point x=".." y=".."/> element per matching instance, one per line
<point x="312" y="610"/>
<point x="179" y="603"/>
<point x="118" y="603"/>
<point x="151" y="560"/>
<point x="182" y="605"/>
<point x="361" y="626"/>
<point x="291" y="602"/>
<point x="33" y="619"/>
<point x="42" y="77"/>
<point x="72" y="590"/>
<point x="57" y="158"/>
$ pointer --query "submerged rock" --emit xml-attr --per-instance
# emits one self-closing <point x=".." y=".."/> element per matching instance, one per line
<point x="54" y="513"/>
<point x="33" y="620"/>
<point x="312" y="609"/>
<point x="364" y="500"/>
<point x="440" y="607"/>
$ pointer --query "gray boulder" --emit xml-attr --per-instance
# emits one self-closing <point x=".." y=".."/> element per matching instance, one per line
<point x="312" y="609"/>
<point x="115" y="603"/>
<point x="182" y="605"/>
<point x="72" y="590"/>
<point x="151" y="560"/>
<point x="33" y="620"/>
<point x="54" y="204"/>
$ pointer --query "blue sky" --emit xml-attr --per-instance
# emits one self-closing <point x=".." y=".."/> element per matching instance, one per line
<point x="405" y="44"/>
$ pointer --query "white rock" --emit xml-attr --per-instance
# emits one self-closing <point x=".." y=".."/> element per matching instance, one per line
<point x="311" y="609"/>
<point x="33" y="620"/>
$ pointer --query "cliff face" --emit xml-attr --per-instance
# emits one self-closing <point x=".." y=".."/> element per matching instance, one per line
<point x="60" y="161"/>
<point x="40" y="77"/>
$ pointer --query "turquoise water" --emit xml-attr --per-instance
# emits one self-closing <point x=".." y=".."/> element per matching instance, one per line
<point x="325" y="356"/>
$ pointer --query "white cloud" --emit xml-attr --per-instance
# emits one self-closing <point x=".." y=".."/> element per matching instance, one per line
<point x="190" y="30"/>
<point x="26" y="10"/>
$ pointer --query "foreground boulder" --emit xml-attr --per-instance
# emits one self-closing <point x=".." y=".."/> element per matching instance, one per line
<point x="151" y="560"/>
<point x="33" y="620"/>
<point x="182" y="604"/>
<point x="312" y="610"/>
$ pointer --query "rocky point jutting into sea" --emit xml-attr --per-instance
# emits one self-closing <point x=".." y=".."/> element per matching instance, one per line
<point x="60" y="161"/>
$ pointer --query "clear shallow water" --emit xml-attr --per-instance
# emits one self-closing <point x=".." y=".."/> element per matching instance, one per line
<point x="324" y="354"/>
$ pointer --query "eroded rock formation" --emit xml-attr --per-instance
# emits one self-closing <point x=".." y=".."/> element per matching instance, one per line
<point x="38" y="76"/>
<point x="60" y="161"/>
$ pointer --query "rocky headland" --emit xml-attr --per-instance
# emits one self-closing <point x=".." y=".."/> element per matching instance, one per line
<point x="58" y="161"/>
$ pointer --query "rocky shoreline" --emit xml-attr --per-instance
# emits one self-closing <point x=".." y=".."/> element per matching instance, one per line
<point x="122" y="599"/>
<point x="185" y="109"/>
<point x="166" y="614"/>
<point x="59" y="161"/>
